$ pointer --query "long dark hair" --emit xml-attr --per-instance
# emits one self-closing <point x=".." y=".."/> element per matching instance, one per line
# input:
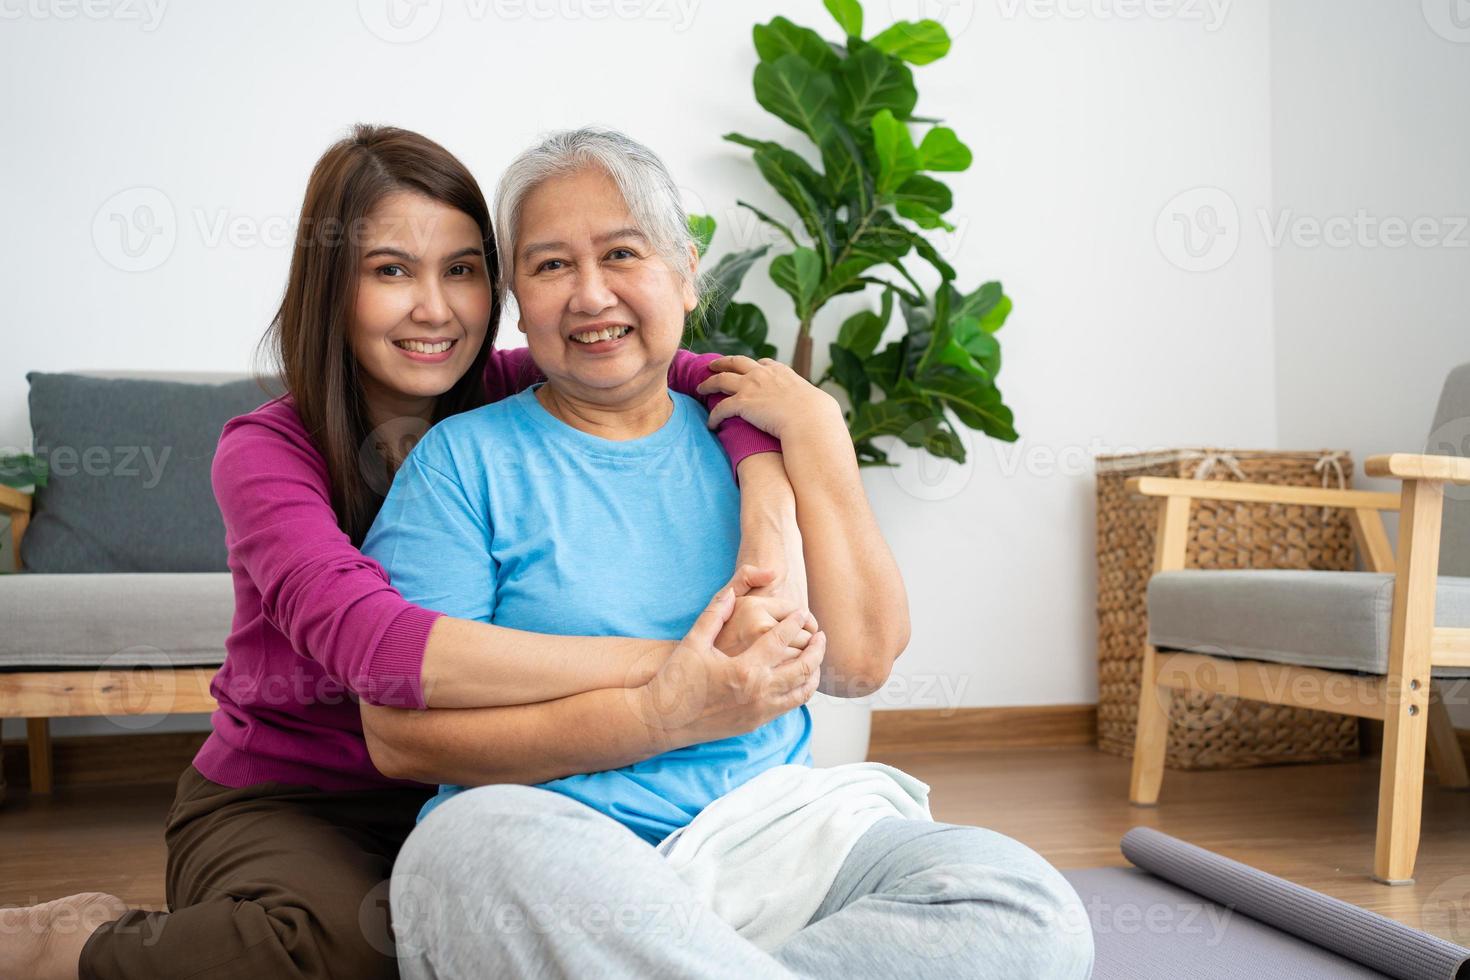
<point x="308" y="339"/>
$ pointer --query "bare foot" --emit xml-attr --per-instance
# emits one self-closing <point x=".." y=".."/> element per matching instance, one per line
<point x="45" y="941"/>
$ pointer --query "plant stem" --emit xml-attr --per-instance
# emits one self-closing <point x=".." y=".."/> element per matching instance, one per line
<point x="801" y="362"/>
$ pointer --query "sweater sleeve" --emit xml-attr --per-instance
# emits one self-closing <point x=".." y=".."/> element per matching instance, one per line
<point x="739" y="437"/>
<point x="509" y="371"/>
<point x="333" y="603"/>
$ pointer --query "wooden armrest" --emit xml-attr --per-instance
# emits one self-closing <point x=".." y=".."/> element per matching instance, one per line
<point x="1411" y="466"/>
<point x="12" y="501"/>
<point x="1262" y="493"/>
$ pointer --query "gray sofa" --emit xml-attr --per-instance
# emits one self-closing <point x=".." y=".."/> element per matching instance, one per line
<point x="121" y="600"/>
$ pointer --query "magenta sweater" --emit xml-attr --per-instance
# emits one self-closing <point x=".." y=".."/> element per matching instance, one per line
<point x="317" y="625"/>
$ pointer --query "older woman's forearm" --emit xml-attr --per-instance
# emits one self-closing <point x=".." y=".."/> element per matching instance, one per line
<point x="468" y="664"/>
<point x="855" y="589"/>
<point x="523" y="743"/>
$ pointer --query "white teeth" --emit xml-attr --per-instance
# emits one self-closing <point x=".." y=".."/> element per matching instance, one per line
<point x="607" y="333"/>
<point x="421" y="348"/>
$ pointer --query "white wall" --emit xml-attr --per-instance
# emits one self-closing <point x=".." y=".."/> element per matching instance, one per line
<point x="1087" y="119"/>
<point x="1368" y="130"/>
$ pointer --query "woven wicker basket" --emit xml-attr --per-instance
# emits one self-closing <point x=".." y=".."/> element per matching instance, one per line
<point x="1209" y="731"/>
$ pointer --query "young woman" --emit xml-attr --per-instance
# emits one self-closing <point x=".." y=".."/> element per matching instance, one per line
<point x="282" y="834"/>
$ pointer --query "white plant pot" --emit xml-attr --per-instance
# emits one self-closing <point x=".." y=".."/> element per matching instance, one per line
<point x="840" y="729"/>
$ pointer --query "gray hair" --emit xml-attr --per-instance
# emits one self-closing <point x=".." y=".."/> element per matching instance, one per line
<point x="647" y="187"/>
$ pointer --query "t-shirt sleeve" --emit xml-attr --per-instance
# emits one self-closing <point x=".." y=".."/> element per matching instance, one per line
<point x="333" y="603"/>
<point x="509" y="371"/>
<point x="739" y="437"/>
<point x="433" y="537"/>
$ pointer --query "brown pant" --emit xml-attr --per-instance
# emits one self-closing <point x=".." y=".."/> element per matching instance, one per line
<point x="272" y="880"/>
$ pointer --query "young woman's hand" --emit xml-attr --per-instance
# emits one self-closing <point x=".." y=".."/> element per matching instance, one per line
<point x="703" y="693"/>
<point x="761" y="602"/>
<point x="768" y="395"/>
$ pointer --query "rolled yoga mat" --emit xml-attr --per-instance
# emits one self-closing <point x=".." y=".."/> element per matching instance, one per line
<point x="1365" y="937"/>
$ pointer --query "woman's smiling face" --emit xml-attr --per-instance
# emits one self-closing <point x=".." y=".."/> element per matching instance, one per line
<point x="602" y="312"/>
<point x="423" y="300"/>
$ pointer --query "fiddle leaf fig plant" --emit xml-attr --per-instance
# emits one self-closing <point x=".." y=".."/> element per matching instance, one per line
<point x="856" y="224"/>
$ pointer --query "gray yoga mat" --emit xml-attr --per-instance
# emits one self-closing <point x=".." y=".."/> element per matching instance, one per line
<point x="1186" y="912"/>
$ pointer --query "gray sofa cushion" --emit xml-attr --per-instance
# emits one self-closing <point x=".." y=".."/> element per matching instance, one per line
<point x="129" y="487"/>
<point x="124" y="620"/>
<point x="1335" y="620"/>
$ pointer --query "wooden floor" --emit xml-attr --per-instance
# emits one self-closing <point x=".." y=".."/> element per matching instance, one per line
<point x="1311" y="824"/>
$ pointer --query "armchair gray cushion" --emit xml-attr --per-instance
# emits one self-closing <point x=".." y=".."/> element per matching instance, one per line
<point x="122" y="620"/>
<point x="1333" y="620"/>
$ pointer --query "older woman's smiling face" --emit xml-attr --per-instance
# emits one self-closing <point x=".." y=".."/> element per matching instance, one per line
<point x="602" y="312"/>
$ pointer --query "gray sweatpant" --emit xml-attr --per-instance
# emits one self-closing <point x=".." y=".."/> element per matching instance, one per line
<point x="514" y="881"/>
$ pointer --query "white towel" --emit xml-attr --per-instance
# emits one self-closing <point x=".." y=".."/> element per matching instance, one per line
<point x="764" y="855"/>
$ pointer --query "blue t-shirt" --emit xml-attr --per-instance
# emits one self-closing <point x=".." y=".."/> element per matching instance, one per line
<point x="508" y="515"/>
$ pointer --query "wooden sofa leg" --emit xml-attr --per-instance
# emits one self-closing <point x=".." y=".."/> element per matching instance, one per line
<point x="1152" y="737"/>
<point x="1400" y="794"/>
<point x="1407" y="683"/>
<point x="38" y="743"/>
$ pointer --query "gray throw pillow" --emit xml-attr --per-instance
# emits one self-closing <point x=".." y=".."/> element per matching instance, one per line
<point x="129" y="459"/>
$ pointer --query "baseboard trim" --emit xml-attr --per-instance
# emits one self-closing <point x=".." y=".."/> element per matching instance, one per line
<point x="980" y="729"/>
<point x="160" y="757"/>
<point x="145" y="757"/>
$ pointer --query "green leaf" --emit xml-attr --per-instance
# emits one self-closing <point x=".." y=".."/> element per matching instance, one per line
<point x="978" y="343"/>
<point x="722" y="283"/>
<point x="871" y="81"/>
<point x="876" y="240"/>
<point x="741" y="330"/>
<point x="847" y="370"/>
<point x="812" y="179"/>
<point x="890" y="417"/>
<point x="848" y="176"/>
<point x="996" y="318"/>
<point x="886" y="368"/>
<point x="861" y="332"/>
<point x="797" y="93"/>
<point x="801" y="187"/>
<point x="980" y="302"/>
<point x="848" y="14"/>
<point x="898" y="160"/>
<point x="975" y="401"/>
<point x="923" y="200"/>
<point x="941" y="149"/>
<point x="702" y="227"/>
<point x="781" y="37"/>
<point x="917" y="42"/>
<point x="779" y="226"/>
<point x="989" y="305"/>
<point x="798" y="274"/>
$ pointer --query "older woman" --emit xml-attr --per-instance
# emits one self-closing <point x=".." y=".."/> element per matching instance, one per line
<point x="571" y="509"/>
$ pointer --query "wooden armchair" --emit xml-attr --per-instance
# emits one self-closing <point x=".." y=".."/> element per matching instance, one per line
<point x="1404" y="695"/>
